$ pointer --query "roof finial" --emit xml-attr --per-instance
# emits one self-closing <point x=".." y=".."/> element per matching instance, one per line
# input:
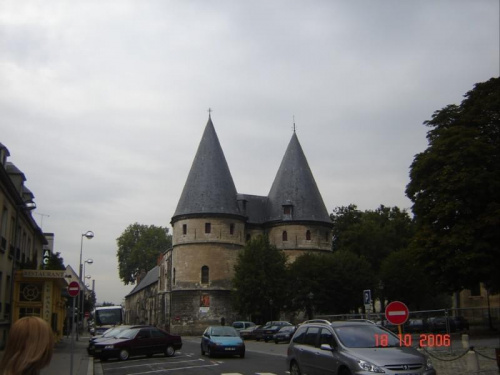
<point x="294" y="124"/>
<point x="209" y="112"/>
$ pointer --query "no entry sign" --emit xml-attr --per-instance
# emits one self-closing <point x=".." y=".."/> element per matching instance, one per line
<point x="397" y="313"/>
<point x="73" y="288"/>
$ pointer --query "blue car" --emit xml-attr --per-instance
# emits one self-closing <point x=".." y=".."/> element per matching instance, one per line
<point x="223" y="340"/>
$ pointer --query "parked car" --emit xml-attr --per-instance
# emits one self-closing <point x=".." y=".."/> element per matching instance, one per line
<point x="134" y="341"/>
<point x="222" y="340"/>
<point x="267" y="331"/>
<point x="352" y="348"/>
<point x="441" y="324"/>
<point x="249" y="333"/>
<point x="111" y="333"/>
<point x="461" y="324"/>
<point x="284" y="334"/>
<point x="416" y="325"/>
<point x="240" y="325"/>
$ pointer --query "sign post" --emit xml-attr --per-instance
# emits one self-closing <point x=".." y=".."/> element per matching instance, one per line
<point x="367" y="300"/>
<point x="397" y="313"/>
<point x="73" y="291"/>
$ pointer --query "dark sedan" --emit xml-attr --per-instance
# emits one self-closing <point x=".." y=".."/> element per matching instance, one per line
<point x="138" y="341"/>
<point x="267" y="331"/>
<point x="284" y="334"/>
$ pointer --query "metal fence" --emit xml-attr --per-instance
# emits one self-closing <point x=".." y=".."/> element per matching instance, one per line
<point x="478" y="319"/>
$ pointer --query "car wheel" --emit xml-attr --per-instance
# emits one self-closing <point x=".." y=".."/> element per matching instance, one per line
<point x="169" y="351"/>
<point x="124" y="355"/>
<point x="202" y="351"/>
<point x="242" y="355"/>
<point x="209" y="352"/>
<point x="294" y="369"/>
<point x="276" y="341"/>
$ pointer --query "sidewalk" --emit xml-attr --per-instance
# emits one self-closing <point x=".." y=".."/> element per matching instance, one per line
<point x="83" y="364"/>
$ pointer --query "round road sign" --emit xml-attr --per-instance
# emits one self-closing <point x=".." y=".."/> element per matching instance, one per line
<point x="396" y="312"/>
<point x="73" y="288"/>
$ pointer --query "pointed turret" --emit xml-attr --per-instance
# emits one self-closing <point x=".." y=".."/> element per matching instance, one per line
<point x="209" y="188"/>
<point x="294" y="194"/>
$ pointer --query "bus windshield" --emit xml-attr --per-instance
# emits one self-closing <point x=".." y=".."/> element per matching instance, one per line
<point x="109" y="316"/>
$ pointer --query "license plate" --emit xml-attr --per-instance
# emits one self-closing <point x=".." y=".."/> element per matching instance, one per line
<point x="230" y="348"/>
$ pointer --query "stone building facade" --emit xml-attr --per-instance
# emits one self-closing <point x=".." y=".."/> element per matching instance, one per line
<point x="212" y="222"/>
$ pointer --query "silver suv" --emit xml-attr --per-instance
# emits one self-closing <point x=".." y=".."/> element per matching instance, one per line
<point x="348" y="348"/>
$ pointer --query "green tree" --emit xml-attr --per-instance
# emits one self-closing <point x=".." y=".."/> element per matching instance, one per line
<point x="55" y="262"/>
<point x="371" y="234"/>
<point x="455" y="190"/>
<point x="260" y="280"/>
<point x="139" y="247"/>
<point x="329" y="282"/>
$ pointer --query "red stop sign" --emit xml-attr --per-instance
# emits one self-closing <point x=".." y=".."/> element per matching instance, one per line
<point x="73" y="288"/>
<point x="397" y="313"/>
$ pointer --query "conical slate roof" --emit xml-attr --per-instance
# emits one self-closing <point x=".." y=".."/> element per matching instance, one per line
<point x="209" y="188"/>
<point x="294" y="185"/>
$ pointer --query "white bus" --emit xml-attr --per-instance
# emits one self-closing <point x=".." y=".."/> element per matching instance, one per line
<point x="106" y="317"/>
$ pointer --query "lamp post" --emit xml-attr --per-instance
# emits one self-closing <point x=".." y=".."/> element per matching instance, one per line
<point x="88" y="235"/>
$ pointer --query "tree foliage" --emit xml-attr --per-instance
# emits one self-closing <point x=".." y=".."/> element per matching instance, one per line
<point x="260" y="279"/>
<point x="336" y="281"/>
<point x="139" y="247"/>
<point x="455" y="190"/>
<point x="55" y="262"/>
<point x="371" y="234"/>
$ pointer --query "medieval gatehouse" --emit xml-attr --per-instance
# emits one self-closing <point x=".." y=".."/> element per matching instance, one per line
<point x="191" y="286"/>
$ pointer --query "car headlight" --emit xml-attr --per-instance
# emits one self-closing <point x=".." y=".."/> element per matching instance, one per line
<point x="367" y="366"/>
<point x="428" y="365"/>
<point x="109" y="347"/>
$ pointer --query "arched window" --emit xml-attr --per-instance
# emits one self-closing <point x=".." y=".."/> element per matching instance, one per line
<point x="284" y="236"/>
<point x="308" y="235"/>
<point x="205" y="275"/>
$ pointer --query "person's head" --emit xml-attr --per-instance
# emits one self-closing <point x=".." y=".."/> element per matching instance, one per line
<point x="29" y="347"/>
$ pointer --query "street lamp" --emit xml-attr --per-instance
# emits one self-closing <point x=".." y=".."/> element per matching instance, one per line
<point x="88" y="235"/>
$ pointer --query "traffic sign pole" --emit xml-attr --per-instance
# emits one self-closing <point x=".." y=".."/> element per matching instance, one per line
<point x="73" y="291"/>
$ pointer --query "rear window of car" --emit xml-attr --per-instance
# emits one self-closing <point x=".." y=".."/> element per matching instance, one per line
<point x="238" y="325"/>
<point x="364" y="336"/>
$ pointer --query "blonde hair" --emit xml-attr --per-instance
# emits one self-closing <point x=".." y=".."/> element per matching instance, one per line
<point x="29" y="347"/>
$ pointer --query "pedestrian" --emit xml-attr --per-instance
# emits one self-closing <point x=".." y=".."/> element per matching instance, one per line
<point x="29" y="347"/>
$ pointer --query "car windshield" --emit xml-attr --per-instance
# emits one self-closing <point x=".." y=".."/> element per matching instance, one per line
<point x="111" y="332"/>
<point x="366" y="336"/>
<point x="286" y="329"/>
<point x="128" y="333"/>
<point x="224" y="331"/>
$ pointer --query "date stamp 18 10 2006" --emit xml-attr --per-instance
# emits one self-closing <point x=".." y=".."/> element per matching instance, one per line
<point x="424" y="340"/>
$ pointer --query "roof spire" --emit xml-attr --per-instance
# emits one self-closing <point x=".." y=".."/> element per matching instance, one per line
<point x="209" y="112"/>
<point x="294" y="128"/>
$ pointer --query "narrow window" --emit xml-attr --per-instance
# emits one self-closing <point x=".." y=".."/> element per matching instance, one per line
<point x="184" y="229"/>
<point x="205" y="275"/>
<point x="287" y="210"/>
<point x="308" y="235"/>
<point x="231" y="229"/>
<point x="173" y="278"/>
<point x="284" y="236"/>
<point x="208" y="227"/>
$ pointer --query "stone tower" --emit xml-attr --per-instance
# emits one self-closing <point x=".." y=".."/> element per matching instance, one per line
<point x="208" y="232"/>
<point x="212" y="222"/>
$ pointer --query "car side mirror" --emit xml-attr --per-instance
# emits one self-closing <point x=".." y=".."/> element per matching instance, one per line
<point x="327" y="347"/>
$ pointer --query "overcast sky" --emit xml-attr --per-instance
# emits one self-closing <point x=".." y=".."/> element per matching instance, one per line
<point x="103" y="103"/>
